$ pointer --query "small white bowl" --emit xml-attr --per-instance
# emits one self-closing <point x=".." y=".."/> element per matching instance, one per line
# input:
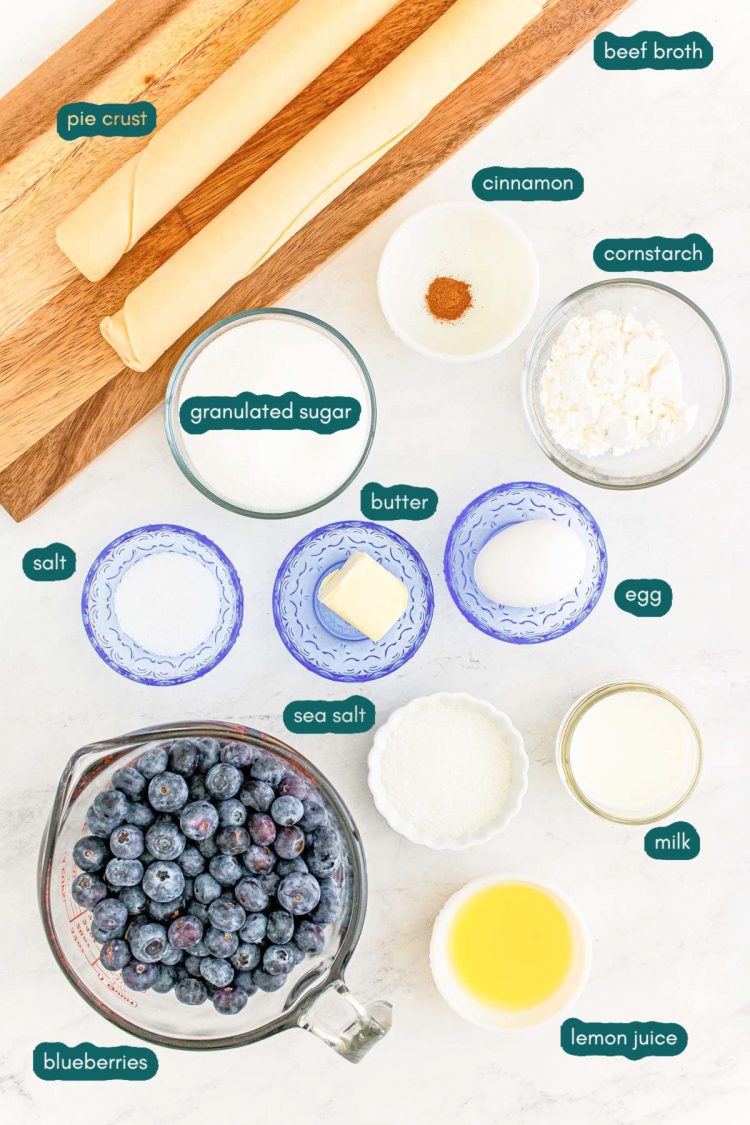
<point x="505" y="813"/>
<point x="495" y="1019"/>
<point x="471" y="242"/>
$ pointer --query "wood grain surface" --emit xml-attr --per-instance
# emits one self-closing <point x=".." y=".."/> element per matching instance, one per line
<point x="64" y="395"/>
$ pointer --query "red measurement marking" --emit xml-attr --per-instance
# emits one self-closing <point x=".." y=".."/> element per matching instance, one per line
<point x="75" y="917"/>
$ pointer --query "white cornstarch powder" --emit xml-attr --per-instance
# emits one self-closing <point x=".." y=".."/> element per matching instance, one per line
<point x="275" y="471"/>
<point x="447" y="768"/>
<point x="613" y="385"/>
<point x="167" y="603"/>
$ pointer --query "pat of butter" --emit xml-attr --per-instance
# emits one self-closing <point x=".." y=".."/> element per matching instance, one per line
<point x="365" y="595"/>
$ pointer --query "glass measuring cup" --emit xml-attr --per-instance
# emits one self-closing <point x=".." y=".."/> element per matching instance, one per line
<point x="315" y="996"/>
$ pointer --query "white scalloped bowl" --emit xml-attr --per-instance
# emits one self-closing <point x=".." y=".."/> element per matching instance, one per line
<point x="511" y="803"/>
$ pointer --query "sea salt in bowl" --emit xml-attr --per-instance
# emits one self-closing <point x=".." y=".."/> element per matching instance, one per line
<point x="472" y="243"/>
<point x="444" y="790"/>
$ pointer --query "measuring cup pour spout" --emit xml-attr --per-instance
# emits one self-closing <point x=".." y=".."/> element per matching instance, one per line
<point x="341" y="1021"/>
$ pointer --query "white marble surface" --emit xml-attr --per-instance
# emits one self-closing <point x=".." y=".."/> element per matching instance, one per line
<point x="661" y="153"/>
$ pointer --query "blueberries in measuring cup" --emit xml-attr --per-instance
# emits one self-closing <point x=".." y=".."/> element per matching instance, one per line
<point x="210" y="869"/>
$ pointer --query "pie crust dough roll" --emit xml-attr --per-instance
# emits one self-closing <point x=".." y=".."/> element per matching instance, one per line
<point x="319" y="167"/>
<point x="214" y="125"/>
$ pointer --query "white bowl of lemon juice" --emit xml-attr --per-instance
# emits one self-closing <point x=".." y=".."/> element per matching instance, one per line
<point x="509" y="952"/>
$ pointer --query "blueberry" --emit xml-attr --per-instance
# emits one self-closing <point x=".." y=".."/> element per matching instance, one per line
<point x="183" y="757"/>
<point x="171" y="955"/>
<point x="209" y="750"/>
<point x="290" y="866"/>
<point x="185" y="931"/>
<point x="221" y="943"/>
<point x="112" y="806"/>
<point x="328" y="908"/>
<point x="246" y="957"/>
<point x="254" y="930"/>
<point x="198" y="910"/>
<point x="126" y="842"/>
<point x="233" y="841"/>
<point x="262" y="829"/>
<point x="280" y="927"/>
<point x="206" y="888"/>
<point x="277" y="959"/>
<point x="90" y="853"/>
<point x="166" y="911"/>
<point x="290" y="842"/>
<point x="287" y="810"/>
<point x="324" y="856"/>
<point x="230" y="1000"/>
<point x="269" y="882"/>
<point x="153" y="762"/>
<point x="226" y="914"/>
<point x="167" y="792"/>
<point x="232" y="813"/>
<point x="139" y="976"/>
<point x="267" y="769"/>
<point x="163" y="881"/>
<point x="245" y="980"/>
<point x="238" y="754"/>
<point x="258" y="795"/>
<point x="225" y="869"/>
<point x="100" y="936"/>
<point x="292" y="785"/>
<point x="190" y="860"/>
<point x="217" y="971"/>
<point x="199" y="820"/>
<point x="191" y="991"/>
<point x="259" y="860"/>
<point x="114" y="954"/>
<point x="193" y="964"/>
<point x="223" y="780"/>
<point x="148" y="941"/>
<point x="314" y="816"/>
<point x="130" y="782"/>
<point x="165" y="979"/>
<point x="110" y="916"/>
<point x="141" y="815"/>
<point x="164" y="839"/>
<point x="99" y="825"/>
<point x="197" y="788"/>
<point x="299" y="894"/>
<point x="124" y="872"/>
<point x="134" y="899"/>
<point x="189" y="887"/>
<point x="268" y="983"/>
<point x="208" y="848"/>
<point x="309" y="937"/>
<point x="250" y="894"/>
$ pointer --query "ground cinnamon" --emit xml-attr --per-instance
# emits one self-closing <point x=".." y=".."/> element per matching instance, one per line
<point x="447" y="298"/>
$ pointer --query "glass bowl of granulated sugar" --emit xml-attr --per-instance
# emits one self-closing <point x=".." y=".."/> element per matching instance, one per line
<point x="626" y="384"/>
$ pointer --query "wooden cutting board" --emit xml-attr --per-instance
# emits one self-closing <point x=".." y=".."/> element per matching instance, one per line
<point x="64" y="394"/>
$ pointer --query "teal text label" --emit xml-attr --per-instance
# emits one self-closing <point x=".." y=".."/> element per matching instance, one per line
<point x="354" y="715"/>
<point x="673" y="841"/>
<point x="53" y="563"/>
<point x="527" y="184"/>
<point x="644" y="597"/>
<point x="654" y="255"/>
<point x="87" y="119"/>
<point x="248" y="411"/>
<point x="397" y="502"/>
<point x="57" y="1062"/>
<point x="630" y="1040"/>
<point x="652" y="50"/>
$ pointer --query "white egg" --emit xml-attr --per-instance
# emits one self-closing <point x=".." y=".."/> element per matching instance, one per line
<point x="532" y="563"/>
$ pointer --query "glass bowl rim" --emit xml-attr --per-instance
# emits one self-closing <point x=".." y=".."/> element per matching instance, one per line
<point x="421" y="566"/>
<point x="573" y="717"/>
<point x="529" y="375"/>
<point x="178" y="377"/>
<point x="563" y="495"/>
<point x="67" y="791"/>
<point x="234" y="579"/>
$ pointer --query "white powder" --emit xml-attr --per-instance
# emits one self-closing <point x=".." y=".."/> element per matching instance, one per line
<point x="167" y="603"/>
<point x="446" y="768"/>
<point x="613" y="385"/>
<point x="275" y="470"/>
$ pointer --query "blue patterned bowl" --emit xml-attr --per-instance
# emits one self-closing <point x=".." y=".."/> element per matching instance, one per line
<point x="490" y="513"/>
<point x="120" y="651"/>
<point x="321" y="640"/>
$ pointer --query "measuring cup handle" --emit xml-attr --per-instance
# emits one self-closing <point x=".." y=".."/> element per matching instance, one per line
<point x="341" y="1021"/>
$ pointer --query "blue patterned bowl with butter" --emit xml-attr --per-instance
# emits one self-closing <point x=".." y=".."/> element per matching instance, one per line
<point x="323" y="641"/>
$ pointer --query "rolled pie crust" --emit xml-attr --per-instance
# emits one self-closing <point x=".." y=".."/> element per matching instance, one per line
<point x="214" y="125"/>
<point x="308" y="177"/>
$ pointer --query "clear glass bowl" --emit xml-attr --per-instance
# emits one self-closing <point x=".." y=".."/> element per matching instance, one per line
<point x="315" y="996"/>
<point x="175" y="434"/>
<point x="707" y="380"/>
<point x="121" y="652"/>
<point x="490" y="513"/>
<point x="567" y="730"/>
<point x="321" y="640"/>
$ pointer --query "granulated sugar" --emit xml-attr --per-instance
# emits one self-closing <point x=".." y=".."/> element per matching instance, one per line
<point x="167" y="603"/>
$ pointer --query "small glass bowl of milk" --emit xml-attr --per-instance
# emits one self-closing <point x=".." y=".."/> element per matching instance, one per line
<point x="629" y="752"/>
<point x="270" y="473"/>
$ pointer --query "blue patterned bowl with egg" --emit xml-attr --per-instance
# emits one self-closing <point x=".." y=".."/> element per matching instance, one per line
<point x="496" y="510"/>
